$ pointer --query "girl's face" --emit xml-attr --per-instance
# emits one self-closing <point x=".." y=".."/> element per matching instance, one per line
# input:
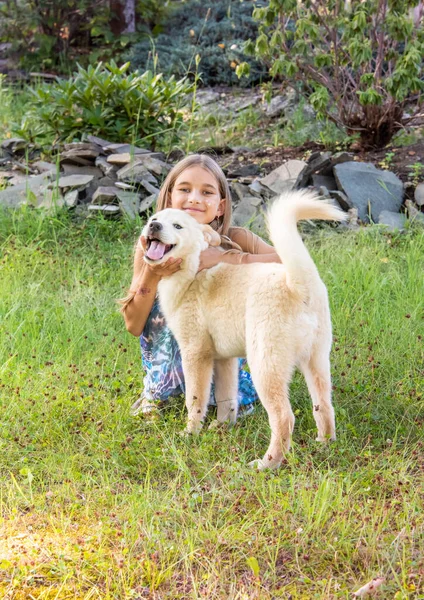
<point x="196" y="191"/>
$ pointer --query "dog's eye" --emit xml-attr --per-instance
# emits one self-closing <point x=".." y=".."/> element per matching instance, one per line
<point x="177" y="226"/>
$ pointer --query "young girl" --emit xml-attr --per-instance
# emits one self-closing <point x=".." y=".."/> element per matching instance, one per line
<point x="198" y="186"/>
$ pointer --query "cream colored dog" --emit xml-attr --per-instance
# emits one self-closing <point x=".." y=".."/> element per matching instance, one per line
<point x="275" y="315"/>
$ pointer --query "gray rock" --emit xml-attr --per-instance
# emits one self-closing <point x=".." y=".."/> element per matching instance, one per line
<point x="15" y="145"/>
<point x="135" y="173"/>
<point x="35" y="191"/>
<point x="244" y="171"/>
<point x="125" y="148"/>
<point x="336" y="159"/>
<point x="98" y="141"/>
<point x="81" y="170"/>
<point x="80" y="153"/>
<point x="321" y="164"/>
<point x="257" y="188"/>
<point x="108" y="169"/>
<point x="12" y="177"/>
<point x="129" y="203"/>
<point x="341" y="199"/>
<point x="104" y="195"/>
<point x="83" y="158"/>
<point x="284" y="178"/>
<point x="239" y="191"/>
<point x="147" y="203"/>
<point x="45" y="167"/>
<point x="82" y="146"/>
<point x="154" y="165"/>
<point x="105" y="182"/>
<point x="246" y="211"/>
<point x="124" y="186"/>
<point x="241" y="104"/>
<point x="316" y="164"/>
<point x="205" y="97"/>
<point x="149" y="187"/>
<point x="369" y="189"/>
<point x="278" y="105"/>
<point x="414" y="214"/>
<point x="324" y="180"/>
<point x="121" y="159"/>
<point x="108" y="210"/>
<point x="74" y="181"/>
<point x="392" y="220"/>
<point x="71" y="198"/>
<point x="323" y="191"/>
<point x="419" y="194"/>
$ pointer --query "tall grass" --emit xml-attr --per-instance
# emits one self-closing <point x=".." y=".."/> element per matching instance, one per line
<point x="97" y="504"/>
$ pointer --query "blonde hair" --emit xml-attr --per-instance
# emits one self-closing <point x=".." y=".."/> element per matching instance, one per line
<point x="220" y="224"/>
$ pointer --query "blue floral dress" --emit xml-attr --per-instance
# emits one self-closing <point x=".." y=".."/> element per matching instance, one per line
<point x="164" y="377"/>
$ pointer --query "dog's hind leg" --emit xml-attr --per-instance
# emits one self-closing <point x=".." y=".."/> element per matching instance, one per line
<point x="272" y="386"/>
<point x="226" y="388"/>
<point x="198" y="379"/>
<point x="318" y="379"/>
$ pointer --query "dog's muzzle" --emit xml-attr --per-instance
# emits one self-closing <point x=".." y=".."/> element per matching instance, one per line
<point x="155" y="248"/>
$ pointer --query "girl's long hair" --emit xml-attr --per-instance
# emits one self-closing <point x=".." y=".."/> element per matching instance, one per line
<point x="220" y="224"/>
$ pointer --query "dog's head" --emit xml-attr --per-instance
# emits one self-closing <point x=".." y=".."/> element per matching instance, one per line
<point x="173" y="233"/>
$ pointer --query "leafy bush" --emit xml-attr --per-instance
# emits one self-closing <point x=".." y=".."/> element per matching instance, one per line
<point x="360" y="62"/>
<point x="214" y="30"/>
<point x="107" y="101"/>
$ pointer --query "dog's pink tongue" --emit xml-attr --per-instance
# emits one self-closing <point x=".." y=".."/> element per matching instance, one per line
<point x="156" y="250"/>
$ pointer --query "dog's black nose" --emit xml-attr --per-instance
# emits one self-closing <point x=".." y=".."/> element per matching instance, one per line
<point x="155" y="226"/>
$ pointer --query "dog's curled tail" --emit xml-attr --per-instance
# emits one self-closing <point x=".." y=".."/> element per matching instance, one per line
<point x="282" y="218"/>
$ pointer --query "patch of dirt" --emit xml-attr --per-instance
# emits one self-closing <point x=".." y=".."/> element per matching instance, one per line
<point x="401" y="162"/>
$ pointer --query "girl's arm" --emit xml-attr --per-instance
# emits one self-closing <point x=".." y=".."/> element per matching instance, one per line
<point x="254" y="250"/>
<point x="138" y="303"/>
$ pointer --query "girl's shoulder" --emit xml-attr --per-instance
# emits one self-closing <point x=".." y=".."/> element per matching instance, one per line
<point x="246" y="239"/>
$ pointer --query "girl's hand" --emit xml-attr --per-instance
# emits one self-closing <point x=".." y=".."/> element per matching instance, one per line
<point x="165" y="269"/>
<point x="209" y="258"/>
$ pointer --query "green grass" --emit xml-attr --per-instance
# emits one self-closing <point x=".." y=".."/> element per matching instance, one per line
<point x="97" y="504"/>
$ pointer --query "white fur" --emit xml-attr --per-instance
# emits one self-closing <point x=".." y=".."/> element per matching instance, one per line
<point x="276" y="315"/>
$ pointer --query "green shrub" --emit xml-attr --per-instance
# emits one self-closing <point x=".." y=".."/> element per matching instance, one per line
<point x="215" y="31"/>
<point x="109" y="102"/>
<point x="360" y="63"/>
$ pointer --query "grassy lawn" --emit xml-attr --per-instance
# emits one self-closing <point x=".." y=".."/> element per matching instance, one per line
<point x="97" y="504"/>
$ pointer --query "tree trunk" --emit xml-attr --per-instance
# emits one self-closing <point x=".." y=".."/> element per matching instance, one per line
<point x="123" y="16"/>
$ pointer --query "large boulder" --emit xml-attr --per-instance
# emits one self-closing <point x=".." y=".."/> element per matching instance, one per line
<point x="369" y="189"/>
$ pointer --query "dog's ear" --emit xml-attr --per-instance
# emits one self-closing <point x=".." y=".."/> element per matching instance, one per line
<point x="212" y="237"/>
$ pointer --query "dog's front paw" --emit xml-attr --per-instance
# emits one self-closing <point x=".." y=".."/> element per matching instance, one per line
<point x="257" y="464"/>
<point x="192" y="428"/>
<point x="267" y="462"/>
<point x="325" y="438"/>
